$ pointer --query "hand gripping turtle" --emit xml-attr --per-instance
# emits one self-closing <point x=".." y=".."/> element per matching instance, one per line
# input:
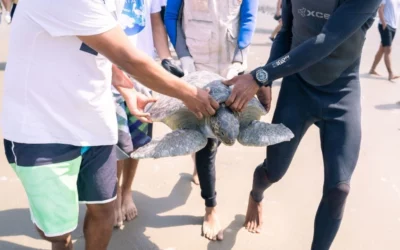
<point x="190" y="134"/>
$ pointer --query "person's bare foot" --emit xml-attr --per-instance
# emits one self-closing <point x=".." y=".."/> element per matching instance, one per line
<point x="393" y="77"/>
<point x="118" y="220"/>
<point x="212" y="229"/>
<point x="195" y="178"/>
<point x="254" y="221"/>
<point x="129" y="211"/>
<point x="373" y="72"/>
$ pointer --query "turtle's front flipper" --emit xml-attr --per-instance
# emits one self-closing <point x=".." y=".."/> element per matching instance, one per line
<point x="178" y="142"/>
<point x="261" y="134"/>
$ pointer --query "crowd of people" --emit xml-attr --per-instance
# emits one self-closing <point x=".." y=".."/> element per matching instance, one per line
<point x="81" y="85"/>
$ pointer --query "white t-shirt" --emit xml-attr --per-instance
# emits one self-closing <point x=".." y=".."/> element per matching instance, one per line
<point x="56" y="89"/>
<point x="391" y="12"/>
<point x="135" y="20"/>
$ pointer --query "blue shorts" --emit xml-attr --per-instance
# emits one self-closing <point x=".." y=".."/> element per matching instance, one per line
<point x="57" y="177"/>
<point x="387" y="35"/>
<point x="132" y="133"/>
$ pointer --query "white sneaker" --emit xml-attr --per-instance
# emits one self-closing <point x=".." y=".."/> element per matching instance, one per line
<point x="7" y="17"/>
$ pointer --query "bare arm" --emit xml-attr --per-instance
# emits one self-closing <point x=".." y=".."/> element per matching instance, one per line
<point x="160" y="36"/>
<point x="114" y="45"/>
<point x="278" y="7"/>
<point x="381" y="14"/>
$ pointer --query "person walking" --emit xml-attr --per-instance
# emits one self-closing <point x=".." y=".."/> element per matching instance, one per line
<point x="389" y="14"/>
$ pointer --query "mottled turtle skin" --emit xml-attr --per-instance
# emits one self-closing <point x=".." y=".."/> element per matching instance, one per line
<point x="190" y="134"/>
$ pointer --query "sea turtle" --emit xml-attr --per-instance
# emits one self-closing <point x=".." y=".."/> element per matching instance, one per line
<point x="190" y="134"/>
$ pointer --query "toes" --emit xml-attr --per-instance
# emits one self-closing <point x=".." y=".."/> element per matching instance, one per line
<point x="206" y="232"/>
<point x="259" y="229"/>
<point x="220" y="235"/>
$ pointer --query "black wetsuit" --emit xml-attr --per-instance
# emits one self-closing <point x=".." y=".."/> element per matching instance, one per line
<point x="318" y="52"/>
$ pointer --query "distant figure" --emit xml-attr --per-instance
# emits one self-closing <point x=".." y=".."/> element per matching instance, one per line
<point x="277" y="17"/>
<point x="389" y="13"/>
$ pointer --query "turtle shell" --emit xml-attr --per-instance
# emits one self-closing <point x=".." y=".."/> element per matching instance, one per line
<point x="175" y="114"/>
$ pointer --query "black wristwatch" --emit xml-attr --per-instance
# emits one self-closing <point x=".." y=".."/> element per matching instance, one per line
<point x="260" y="76"/>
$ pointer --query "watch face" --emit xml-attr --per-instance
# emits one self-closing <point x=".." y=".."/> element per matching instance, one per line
<point x="262" y="76"/>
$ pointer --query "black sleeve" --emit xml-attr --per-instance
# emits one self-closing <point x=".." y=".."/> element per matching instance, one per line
<point x="343" y="23"/>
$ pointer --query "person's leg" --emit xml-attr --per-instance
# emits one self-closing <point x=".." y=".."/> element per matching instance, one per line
<point x="63" y="242"/>
<point x="205" y="164"/>
<point x="118" y="218"/>
<point x="388" y="62"/>
<point x="98" y="225"/>
<point x="292" y="110"/>
<point x="49" y="173"/>
<point x="378" y="58"/>
<point x="7" y="14"/>
<point x="97" y="185"/>
<point x="340" y="143"/>
<point x="7" y="5"/>
<point x="14" y="7"/>
<point x="129" y="211"/>
<point x="389" y="34"/>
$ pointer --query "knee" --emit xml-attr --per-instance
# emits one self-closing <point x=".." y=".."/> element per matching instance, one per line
<point x="62" y="239"/>
<point x="271" y="176"/>
<point x="336" y="200"/>
<point x="387" y="50"/>
<point x="101" y="211"/>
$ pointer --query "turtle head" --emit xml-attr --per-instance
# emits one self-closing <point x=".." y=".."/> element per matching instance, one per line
<point x="225" y="125"/>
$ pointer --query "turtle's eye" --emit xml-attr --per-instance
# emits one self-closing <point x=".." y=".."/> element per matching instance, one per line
<point x="222" y="133"/>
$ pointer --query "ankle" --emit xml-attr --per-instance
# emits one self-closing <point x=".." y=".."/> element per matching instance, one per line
<point x="211" y="210"/>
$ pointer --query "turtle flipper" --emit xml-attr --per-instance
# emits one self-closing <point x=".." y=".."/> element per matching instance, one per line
<point x="176" y="143"/>
<point x="261" y="134"/>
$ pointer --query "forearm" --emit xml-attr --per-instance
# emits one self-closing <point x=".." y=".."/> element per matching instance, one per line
<point x="153" y="76"/>
<point x="382" y="15"/>
<point x="342" y="24"/>
<point x="116" y="47"/>
<point x="160" y="38"/>
<point x="278" y="7"/>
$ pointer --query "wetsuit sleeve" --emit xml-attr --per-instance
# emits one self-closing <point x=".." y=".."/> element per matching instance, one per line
<point x="173" y="24"/>
<point x="247" y="26"/>
<point x="344" y="22"/>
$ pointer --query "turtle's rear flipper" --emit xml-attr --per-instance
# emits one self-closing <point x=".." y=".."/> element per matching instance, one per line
<point x="176" y="143"/>
<point x="261" y="134"/>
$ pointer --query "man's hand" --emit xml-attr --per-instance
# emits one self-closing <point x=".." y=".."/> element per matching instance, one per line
<point x="136" y="103"/>
<point x="187" y="63"/>
<point x="264" y="95"/>
<point x="244" y="89"/>
<point x="120" y="79"/>
<point x="201" y="103"/>
<point x="384" y="25"/>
